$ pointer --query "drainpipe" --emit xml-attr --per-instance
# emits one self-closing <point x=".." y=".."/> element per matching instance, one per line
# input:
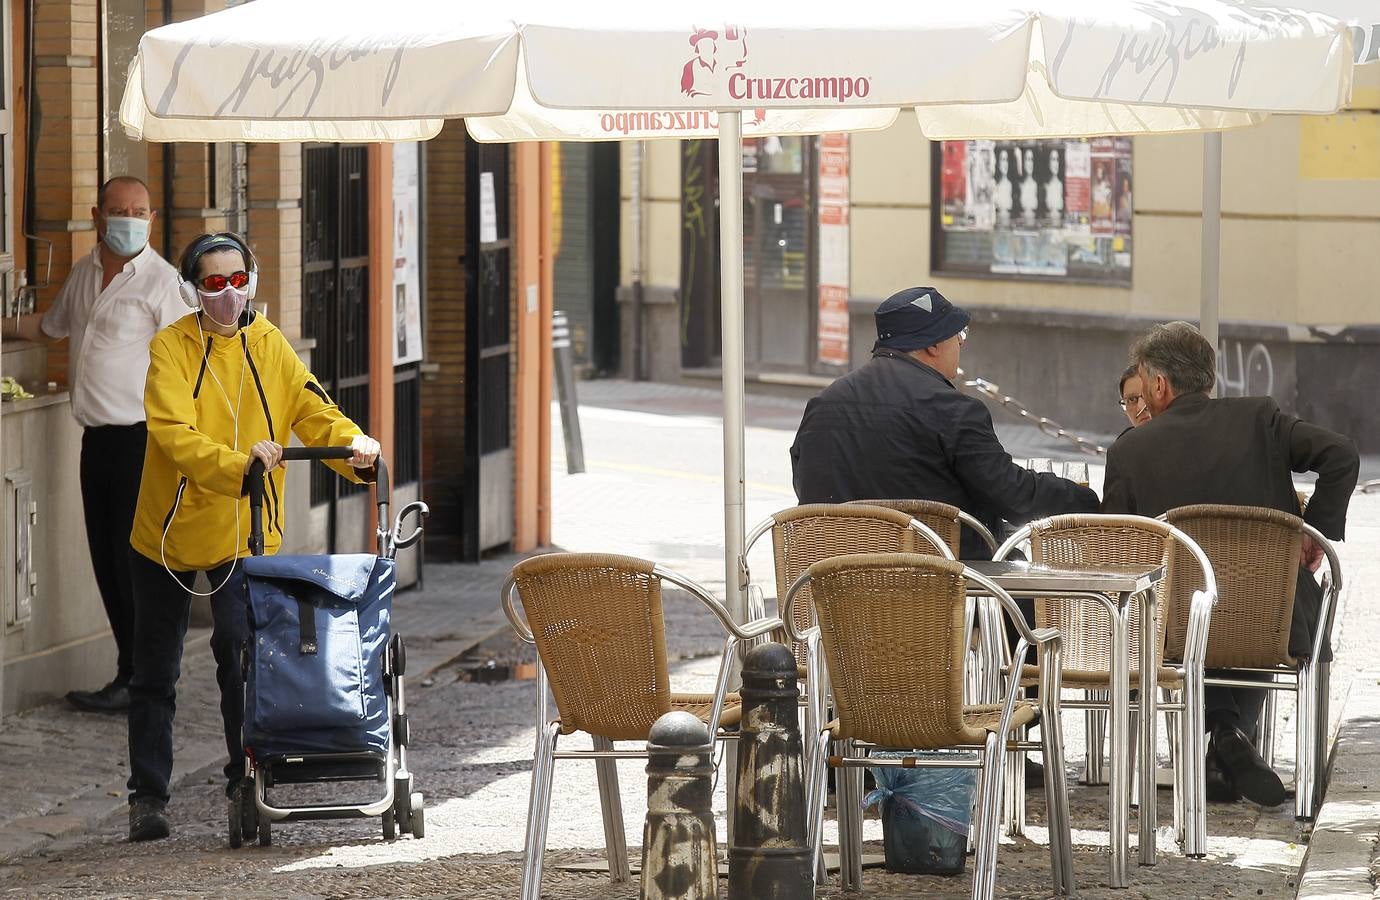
<point x="635" y="224"/>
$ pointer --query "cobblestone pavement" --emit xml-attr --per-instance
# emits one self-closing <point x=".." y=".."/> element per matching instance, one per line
<point x="650" y="491"/>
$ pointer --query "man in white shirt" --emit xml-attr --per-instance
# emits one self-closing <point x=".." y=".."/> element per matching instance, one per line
<point x="110" y="307"/>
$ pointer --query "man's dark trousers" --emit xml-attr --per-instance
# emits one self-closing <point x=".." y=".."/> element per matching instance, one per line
<point x="164" y="607"/>
<point x="112" y="461"/>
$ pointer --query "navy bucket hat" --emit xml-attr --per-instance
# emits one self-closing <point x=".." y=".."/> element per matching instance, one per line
<point x="916" y="318"/>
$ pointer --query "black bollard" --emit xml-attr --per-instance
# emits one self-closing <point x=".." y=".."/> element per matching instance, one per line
<point x="565" y="394"/>
<point x="768" y="855"/>
<point x="678" y="854"/>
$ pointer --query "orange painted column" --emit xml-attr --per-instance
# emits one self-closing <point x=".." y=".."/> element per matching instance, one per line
<point x="380" y="305"/>
<point x="527" y="187"/>
<point x="532" y="426"/>
<point x="547" y="302"/>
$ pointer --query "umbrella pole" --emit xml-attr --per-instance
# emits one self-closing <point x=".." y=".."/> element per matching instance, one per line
<point x="1212" y="237"/>
<point x="731" y="353"/>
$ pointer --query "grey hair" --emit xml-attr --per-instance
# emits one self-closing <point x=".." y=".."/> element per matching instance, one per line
<point x="1180" y="353"/>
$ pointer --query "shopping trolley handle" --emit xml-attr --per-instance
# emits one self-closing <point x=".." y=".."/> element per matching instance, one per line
<point x="255" y="478"/>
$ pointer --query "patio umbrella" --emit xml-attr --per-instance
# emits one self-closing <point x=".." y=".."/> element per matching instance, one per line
<point x="360" y="70"/>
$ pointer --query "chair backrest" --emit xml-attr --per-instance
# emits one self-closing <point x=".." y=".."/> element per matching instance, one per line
<point x="1089" y="541"/>
<point x="597" y="622"/>
<point x="804" y="535"/>
<point x="941" y="517"/>
<point x="1254" y="553"/>
<point x="894" y="641"/>
<point x="947" y="520"/>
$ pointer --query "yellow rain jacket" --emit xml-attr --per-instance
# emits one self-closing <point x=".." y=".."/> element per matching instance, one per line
<point x="194" y="466"/>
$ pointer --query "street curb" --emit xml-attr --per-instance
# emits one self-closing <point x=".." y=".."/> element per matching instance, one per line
<point x="88" y="809"/>
<point x="1345" y="835"/>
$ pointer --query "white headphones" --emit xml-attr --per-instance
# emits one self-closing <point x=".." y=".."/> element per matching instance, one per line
<point x="208" y="243"/>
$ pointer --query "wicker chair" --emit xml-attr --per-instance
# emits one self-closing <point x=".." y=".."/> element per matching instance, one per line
<point x="803" y="535"/>
<point x="1090" y="541"/>
<point x="596" y="620"/>
<point x="1255" y="552"/>
<point x="947" y="521"/>
<point x="893" y="636"/>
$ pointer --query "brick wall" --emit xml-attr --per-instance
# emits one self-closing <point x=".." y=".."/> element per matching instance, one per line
<point x="443" y="397"/>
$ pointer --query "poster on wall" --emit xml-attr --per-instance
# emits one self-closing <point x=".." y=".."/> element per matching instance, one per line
<point x="407" y="298"/>
<point x="832" y="334"/>
<point x="1058" y="209"/>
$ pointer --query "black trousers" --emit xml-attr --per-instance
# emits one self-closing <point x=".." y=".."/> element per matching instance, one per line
<point x="1241" y="706"/>
<point x="112" y="461"/>
<point x="160" y="626"/>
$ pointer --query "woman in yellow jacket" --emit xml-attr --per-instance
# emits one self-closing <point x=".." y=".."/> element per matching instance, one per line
<point x="223" y="388"/>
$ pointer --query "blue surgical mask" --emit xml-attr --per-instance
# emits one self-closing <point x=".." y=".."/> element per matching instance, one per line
<point x="125" y="235"/>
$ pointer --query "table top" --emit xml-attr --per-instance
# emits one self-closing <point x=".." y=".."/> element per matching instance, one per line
<point x="1021" y="577"/>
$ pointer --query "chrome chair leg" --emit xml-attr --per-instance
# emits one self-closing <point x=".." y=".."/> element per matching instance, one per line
<point x="1094" y="772"/>
<point x="847" y="790"/>
<point x="1057" y="810"/>
<point x="538" y="811"/>
<point x="1014" y="787"/>
<point x="611" y="804"/>
<point x="1193" y="742"/>
<point x="989" y="820"/>
<point x="1265" y="729"/>
<point x="817" y="784"/>
<point x="1305" y="741"/>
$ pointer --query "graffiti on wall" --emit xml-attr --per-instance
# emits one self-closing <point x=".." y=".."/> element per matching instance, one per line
<point x="1244" y="371"/>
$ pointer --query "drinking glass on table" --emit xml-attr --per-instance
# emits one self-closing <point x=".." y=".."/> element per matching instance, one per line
<point x="1077" y="472"/>
<point x="1040" y="464"/>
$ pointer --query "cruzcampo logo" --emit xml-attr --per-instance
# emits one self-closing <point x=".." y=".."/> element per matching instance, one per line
<point x="720" y="54"/>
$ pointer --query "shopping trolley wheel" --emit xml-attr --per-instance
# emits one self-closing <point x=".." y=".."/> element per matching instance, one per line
<point x="402" y="734"/>
<point x="236" y="836"/>
<point x="265" y="832"/>
<point x="418" y="816"/>
<point x="399" y="656"/>
<point x="390" y="829"/>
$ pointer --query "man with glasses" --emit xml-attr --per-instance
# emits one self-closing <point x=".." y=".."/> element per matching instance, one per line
<point x="899" y="428"/>
<point x="1238" y="451"/>
<point x="113" y="302"/>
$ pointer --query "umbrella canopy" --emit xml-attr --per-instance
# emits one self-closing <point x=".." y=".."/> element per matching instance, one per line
<point x="360" y="70"/>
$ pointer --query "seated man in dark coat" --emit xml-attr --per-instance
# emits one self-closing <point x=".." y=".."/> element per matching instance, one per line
<point x="897" y="428"/>
<point x="1237" y="451"/>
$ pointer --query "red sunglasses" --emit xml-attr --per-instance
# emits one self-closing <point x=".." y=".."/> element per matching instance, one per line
<point x="217" y="283"/>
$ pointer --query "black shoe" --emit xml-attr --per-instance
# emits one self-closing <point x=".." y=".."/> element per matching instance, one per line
<point x="1220" y="788"/>
<point x="113" y="698"/>
<point x="1034" y="774"/>
<point x="148" y="821"/>
<point x="1241" y="763"/>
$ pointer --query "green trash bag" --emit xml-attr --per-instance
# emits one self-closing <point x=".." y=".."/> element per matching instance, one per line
<point x="926" y="814"/>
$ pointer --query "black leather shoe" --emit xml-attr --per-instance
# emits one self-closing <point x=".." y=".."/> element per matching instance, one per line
<point x="1219" y="786"/>
<point x="1241" y="763"/>
<point x="113" y="698"/>
<point x="148" y="821"/>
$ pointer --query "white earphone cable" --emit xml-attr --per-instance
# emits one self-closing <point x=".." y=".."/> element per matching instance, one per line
<point x="235" y="412"/>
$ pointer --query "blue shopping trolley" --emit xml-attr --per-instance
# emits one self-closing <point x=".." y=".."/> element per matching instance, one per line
<point x="323" y="675"/>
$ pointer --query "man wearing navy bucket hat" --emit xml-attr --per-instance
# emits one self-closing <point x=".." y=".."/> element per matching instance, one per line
<point x="898" y="428"/>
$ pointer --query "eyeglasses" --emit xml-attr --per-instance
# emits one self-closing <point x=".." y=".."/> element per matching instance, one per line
<point x="1133" y="400"/>
<point x="963" y="335"/>
<point x="217" y="283"/>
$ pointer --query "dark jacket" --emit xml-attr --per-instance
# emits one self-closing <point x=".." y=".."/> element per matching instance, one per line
<point x="897" y="429"/>
<point x="1238" y="451"/>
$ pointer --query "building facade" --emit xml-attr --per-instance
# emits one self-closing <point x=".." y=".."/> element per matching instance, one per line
<point x="1063" y="251"/>
<point x="394" y="271"/>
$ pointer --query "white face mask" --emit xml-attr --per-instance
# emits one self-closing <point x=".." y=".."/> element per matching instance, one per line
<point x="125" y="235"/>
<point x="224" y="306"/>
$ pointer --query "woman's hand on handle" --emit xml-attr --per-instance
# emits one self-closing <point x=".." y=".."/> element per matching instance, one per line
<point x="269" y="452"/>
<point x="366" y="451"/>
